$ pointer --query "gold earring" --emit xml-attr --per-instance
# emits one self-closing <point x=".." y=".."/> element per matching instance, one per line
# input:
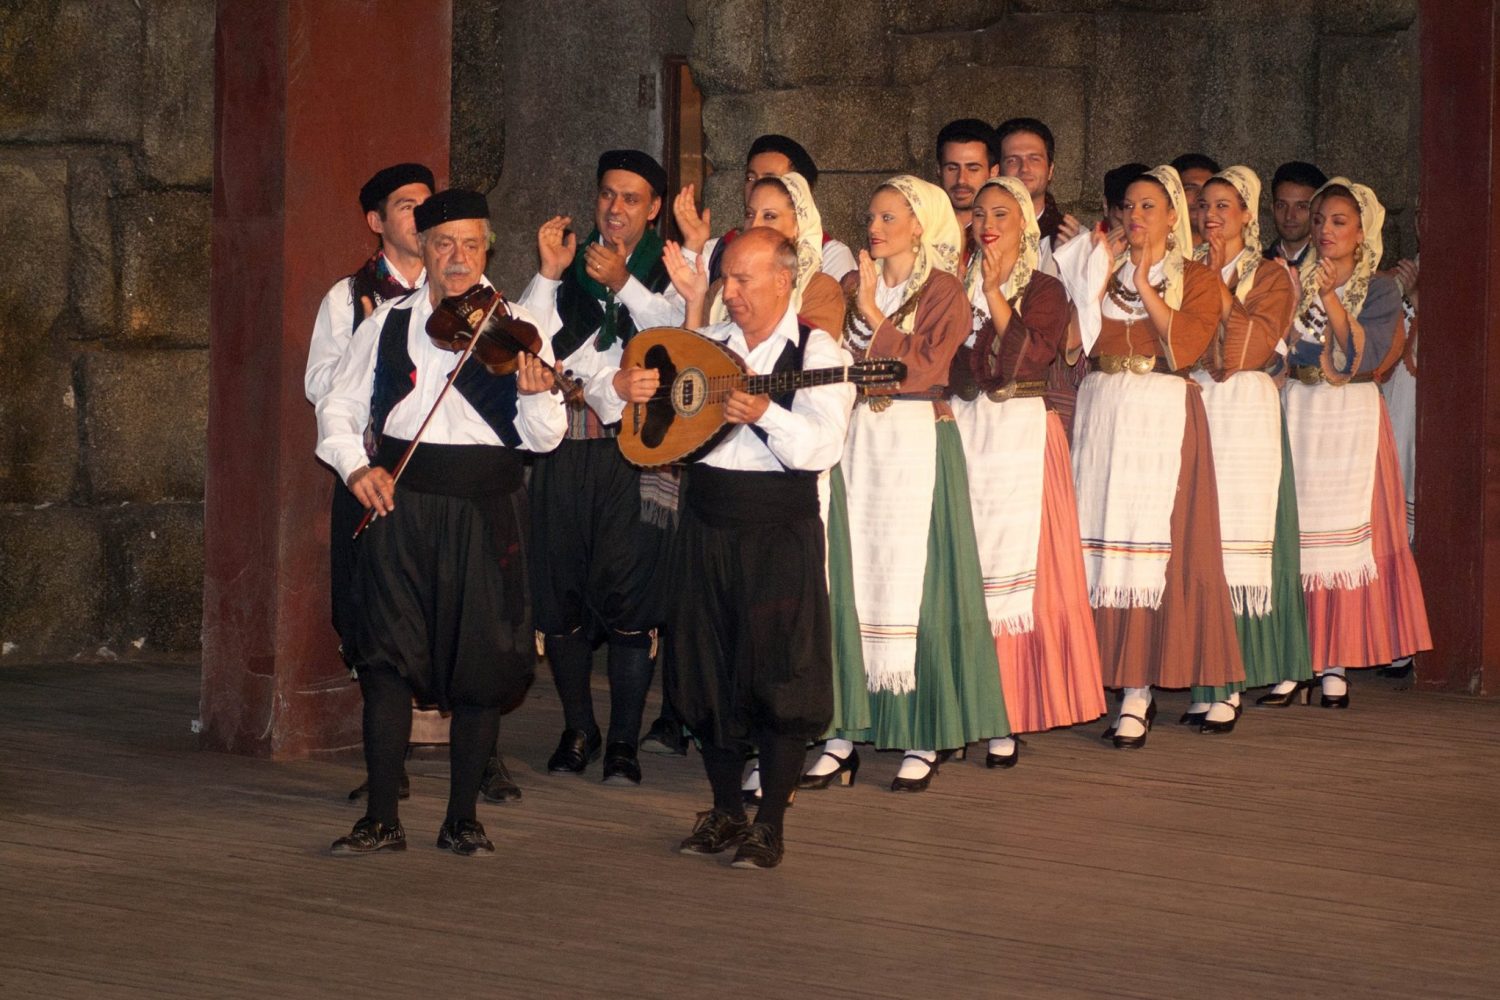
<point x="1359" y="253"/>
<point x="1171" y="241"/>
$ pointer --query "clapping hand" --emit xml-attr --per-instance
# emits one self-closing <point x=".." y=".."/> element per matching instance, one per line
<point x="556" y="246"/>
<point x="694" y="227"/>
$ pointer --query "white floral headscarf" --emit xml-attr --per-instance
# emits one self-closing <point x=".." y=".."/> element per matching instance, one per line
<point x="1247" y="184"/>
<point x="1031" y="240"/>
<point x="809" y="243"/>
<point x="1367" y="258"/>
<point x="940" y="240"/>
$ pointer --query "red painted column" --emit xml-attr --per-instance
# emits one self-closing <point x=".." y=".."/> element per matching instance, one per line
<point x="311" y="97"/>
<point x="1458" y="394"/>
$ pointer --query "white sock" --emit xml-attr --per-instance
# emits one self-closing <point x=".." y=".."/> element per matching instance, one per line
<point x="752" y="780"/>
<point x="1003" y="747"/>
<point x="826" y="762"/>
<point x="1334" y="682"/>
<point x="916" y="763"/>
<point x="1285" y="687"/>
<point x="1136" y="702"/>
<point x="1223" y="711"/>
<point x="1198" y="708"/>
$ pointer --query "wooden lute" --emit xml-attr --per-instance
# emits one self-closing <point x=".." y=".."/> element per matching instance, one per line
<point x="686" y="417"/>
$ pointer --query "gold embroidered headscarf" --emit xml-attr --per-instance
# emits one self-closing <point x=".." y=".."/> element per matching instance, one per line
<point x="940" y="241"/>
<point x="1031" y="243"/>
<point x="1366" y="256"/>
<point x="1247" y="184"/>
<point x="809" y="243"/>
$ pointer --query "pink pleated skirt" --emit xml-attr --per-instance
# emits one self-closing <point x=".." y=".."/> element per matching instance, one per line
<point x="1386" y="619"/>
<point x="1050" y="675"/>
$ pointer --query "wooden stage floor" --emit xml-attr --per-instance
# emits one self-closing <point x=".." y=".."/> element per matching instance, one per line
<point x="1311" y="853"/>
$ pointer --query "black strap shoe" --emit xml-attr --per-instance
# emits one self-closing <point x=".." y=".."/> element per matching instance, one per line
<point x="574" y="751"/>
<point x="762" y="848"/>
<point x="466" y="838"/>
<point x="364" y="789"/>
<point x="620" y="764"/>
<point x="715" y="833"/>
<point x="497" y="784"/>
<point x="367" y="837"/>
<point x="666" y="737"/>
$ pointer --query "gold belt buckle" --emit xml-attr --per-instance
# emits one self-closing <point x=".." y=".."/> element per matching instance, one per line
<point x="1003" y="393"/>
<point x="1111" y="364"/>
<point x="1140" y="364"/>
<point x="1309" y="375"/>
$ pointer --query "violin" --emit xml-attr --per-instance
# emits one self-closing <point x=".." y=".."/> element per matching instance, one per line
<point x="471" y="323"/>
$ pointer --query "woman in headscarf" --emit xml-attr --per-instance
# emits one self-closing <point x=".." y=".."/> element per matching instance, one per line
<point x="1021" y="475"/>
<point x="786" y="205"/>
<point x="914" y="660"/>
<point x="1143" y="466"/>
<point x="1252" y="461"/>
<point x="1364" y="600"/>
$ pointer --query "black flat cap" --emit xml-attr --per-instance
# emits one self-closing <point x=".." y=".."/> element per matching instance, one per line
<point x="447" y="206"/>
<point x="379" y="187"/>
<point x="637" y="162"/>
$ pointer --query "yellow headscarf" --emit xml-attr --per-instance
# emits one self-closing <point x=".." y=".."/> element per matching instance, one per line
<point x="1031" y="242"/>
<point x="940" y="241"/>
<point x="809" y="243"/>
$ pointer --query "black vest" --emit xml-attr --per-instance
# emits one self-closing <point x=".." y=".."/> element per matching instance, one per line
<point x="493" y="397"/>
<point x="789" y="361"/>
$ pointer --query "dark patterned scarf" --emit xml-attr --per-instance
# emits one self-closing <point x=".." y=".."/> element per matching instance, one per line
<point x="585" y="305"/>
<point x="373" y="284"/>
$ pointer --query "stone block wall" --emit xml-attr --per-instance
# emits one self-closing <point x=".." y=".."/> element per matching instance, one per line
<point x="105" y="173"/>
<point x="866" y="84"/>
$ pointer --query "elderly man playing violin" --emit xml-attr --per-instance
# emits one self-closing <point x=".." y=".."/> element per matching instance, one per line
<point x="441" y="611"/>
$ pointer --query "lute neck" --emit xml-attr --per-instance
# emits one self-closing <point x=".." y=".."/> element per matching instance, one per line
<point x="777" y="383"/>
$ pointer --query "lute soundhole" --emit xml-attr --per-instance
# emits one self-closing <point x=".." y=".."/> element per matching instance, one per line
<point x="689" y="392"/>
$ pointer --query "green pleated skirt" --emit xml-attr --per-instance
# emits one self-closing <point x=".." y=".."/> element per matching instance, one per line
<point x="1275" y="646"/>
<point x="957" y="697"/>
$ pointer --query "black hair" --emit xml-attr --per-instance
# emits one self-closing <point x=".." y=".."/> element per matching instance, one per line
<point x="1119" y="179"/>
<point x="1297" y="172"/>
<point x="968" y="130"/>
<point x="1035" y="126"/>
<point x="1195" y="161"/>
<point x="800" y="159"/>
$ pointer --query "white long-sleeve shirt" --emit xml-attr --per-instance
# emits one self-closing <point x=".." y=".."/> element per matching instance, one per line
<point x="810" y="435"/>
<point x="596" y="368"/>
<point x="332" y="331"/>
<point x="344" y="411"/>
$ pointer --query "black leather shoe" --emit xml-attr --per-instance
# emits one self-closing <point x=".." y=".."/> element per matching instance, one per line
<point x="715" y="833"/>
<point x="466" y="838"/>
<point x="367" y="837"/>
<point x="620" y="764"/>
<point x="665" y="737"/>
<point x="1221" y="728"/>
<point x="1002" y="759"/>
<point x="574" y="751"/>
<point x="364" y="789"/>
<point x="900" y="784"/>
<point x="844" y="774"/>
<point x="1193" y="718"/>
<point x="761" y="848"/>
<point x="497" y="784"/>
<point x="1135" y="742"/>
<point x="1335" y="701"/>
<point x="1302" y="692"/>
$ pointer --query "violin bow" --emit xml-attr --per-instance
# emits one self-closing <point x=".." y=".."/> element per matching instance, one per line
<point x="364" y="522"/>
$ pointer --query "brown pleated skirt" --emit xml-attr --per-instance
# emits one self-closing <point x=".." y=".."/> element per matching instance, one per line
<point x="1190" y="638"/>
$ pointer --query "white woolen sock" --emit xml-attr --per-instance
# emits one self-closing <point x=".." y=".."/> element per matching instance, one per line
<point x="1285" y="687"/>
<point x="826" y="764"/>
<point x="1136" y="702"/>
<point x="1198" y="708"/>
<point x="752" y="780"/>
<point x="1003" y="747"/>
<point x="916" y="763"/>
<point x="1334" y="682"/>
<point x="1223" y="711"/>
